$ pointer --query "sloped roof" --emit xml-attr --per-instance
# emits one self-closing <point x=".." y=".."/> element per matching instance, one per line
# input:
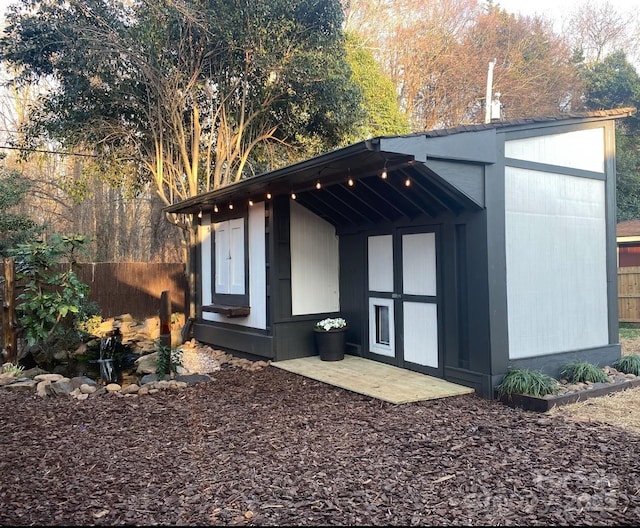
<point x="320" y="183"/>
<point x="628" y="228"/>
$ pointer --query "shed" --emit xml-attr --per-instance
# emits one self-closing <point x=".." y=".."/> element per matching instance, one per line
<point x="628" y="240"/>
<point x="456" y="253"/>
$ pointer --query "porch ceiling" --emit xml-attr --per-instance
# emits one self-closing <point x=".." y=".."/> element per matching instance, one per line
<point x="410" y="190"/>
<point x="347" y="189"/>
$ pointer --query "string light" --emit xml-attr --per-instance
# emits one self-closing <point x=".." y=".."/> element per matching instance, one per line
<point x="318" y="185"/>
<point x="407" y="182"/>
<point x="383" y="174"/>
<point x="350" y="182"/>
<point x="250" y="203"/>
<point x="230" y="206"/>
<point x="200" y="214"/>
<point x="268" y="196"/>
<point x="215" y="208"/>
<point x="293" y="196"/>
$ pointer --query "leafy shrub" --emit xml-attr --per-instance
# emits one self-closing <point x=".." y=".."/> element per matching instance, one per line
<point x="52" y="294"/>
<point x="90" y="324"/>
<point x="525" y="381"/>
<point x="167" y="360"/>
<point x="628" y="364"/>
<point x="10" y="368"/>
<point x="583" y="372"/>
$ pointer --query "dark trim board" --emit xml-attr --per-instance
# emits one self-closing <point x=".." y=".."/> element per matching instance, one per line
<point x="543" y="404"/>
<point x="239" y="338"/>
<point x="481" y="383"/>
<point x="552" y="363"/>
<point x="228" y="311"/>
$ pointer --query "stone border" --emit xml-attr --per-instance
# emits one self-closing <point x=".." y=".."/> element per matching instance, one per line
<point x="545" y="403"/>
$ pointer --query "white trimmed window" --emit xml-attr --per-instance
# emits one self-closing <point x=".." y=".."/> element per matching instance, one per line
<point x="230" y="284"/>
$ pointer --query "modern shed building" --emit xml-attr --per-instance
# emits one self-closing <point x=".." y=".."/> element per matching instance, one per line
<point x="456" y="253"/>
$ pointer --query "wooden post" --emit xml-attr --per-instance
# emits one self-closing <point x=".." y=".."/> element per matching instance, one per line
<point x="165" y="319"/>
<point x="9" y="322"/>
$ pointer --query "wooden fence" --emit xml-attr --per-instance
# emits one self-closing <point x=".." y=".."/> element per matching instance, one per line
<point x="629" y="294"/>
<point x="133" y="287"/>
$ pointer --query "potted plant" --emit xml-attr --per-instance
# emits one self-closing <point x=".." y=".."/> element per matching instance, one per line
<point x="330" y="335"/>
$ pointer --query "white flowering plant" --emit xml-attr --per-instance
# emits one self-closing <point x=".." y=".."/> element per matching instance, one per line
<point x="331" y="324"/>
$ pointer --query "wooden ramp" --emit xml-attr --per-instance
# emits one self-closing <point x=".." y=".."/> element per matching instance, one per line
<point x="371" y="378"/>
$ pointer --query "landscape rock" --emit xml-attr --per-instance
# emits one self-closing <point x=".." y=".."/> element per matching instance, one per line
<point x="6" y="378"/>
<point x="22" y="385"/>
<point x="78" y="381"/>
<point x="198" y="363"/>
<point x="130" y="389"/>
<point x="86" y="388"/>
<point x="42" y="388"/>
<point x="48" y="377"/>
<point x="61" y="387"/>
<point x="146" y="364"/>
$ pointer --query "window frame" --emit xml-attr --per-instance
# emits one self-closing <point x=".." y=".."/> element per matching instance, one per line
<point x="230" y="299"/>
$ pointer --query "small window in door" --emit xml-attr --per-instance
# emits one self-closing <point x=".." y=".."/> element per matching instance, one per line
<point x="382" y="325"/>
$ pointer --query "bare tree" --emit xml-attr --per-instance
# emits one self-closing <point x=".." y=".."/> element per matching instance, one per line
<point x="437" y="54"/>
<point x="598" y="28"/>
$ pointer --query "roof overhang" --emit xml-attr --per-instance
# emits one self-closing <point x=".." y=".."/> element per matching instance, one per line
<point x="426" y="174"/>
<point x="346" y="187"/>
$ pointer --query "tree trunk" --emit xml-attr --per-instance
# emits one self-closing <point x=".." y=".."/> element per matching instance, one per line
<point x="9" y="322"/>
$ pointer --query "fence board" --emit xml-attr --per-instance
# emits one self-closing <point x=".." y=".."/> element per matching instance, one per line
<point x="629" y="294"/>
<point x="134" y="287"/>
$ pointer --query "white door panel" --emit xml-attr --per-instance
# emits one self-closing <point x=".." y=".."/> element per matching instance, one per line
<point x="419" y="264"/>
<point x="421" y="333"/>
<point x="381" y="263"/>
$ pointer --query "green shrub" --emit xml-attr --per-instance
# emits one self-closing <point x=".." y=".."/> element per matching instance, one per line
<point x="90" y="325"/>
<point x="52" y="296"/>
<point x="10" y="368"/>
<point x="583" y="372"/>
<point x="628" y="364"/>
<point x="167" y="361"/>
<point x="525" y="381"/>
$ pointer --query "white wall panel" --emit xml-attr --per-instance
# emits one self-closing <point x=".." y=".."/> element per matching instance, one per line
<point x="583" y="149"/>
<point x="556" y="263"/>
<point x="206" y="272"/>
<point x="419" y="264"/>
<point x="315" y="267"/>
<point x="380" y="251"/>
<point x="421" y="333"/>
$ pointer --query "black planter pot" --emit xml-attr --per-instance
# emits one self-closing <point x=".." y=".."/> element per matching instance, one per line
<point x="331" y="344"/>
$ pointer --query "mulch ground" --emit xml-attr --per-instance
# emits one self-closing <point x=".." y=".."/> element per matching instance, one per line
<point x="273" y="448"/>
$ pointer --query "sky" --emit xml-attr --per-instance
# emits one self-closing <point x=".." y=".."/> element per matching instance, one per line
<point x="550" y="8"/>
<point x="555" y="9"/>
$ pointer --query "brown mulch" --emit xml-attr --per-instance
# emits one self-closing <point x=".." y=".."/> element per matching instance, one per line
<point x="272" y="448"/>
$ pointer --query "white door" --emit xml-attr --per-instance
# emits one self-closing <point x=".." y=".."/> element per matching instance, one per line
<point x="403" y="299"/>
<point x="419" y="299"/>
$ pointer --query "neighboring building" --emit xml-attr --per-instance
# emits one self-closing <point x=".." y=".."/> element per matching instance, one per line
<point x="628" y="240"/>
<point x="457" y="253"/>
